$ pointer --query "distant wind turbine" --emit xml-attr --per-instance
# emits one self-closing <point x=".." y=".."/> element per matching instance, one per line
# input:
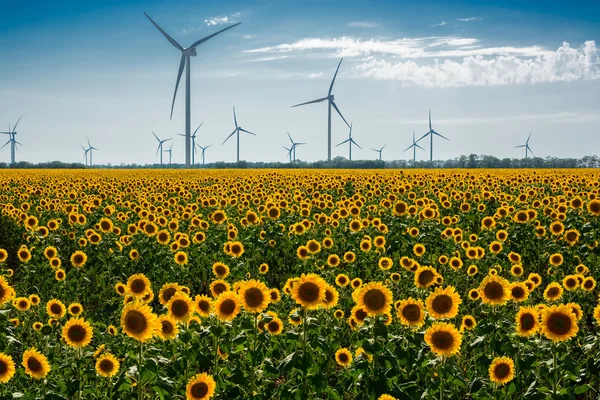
<point x="380" y="150"/>
<point x="170" y="151"/>
<point x="90" y="149"/>
<point x="414" y="146"/>
<point x="160" y="145"/>
<point x="237" y="130"/>
<point x="85" y="154"/>
<point x="186" y="53"/>
<point x="194" y="143"/>
<point x="350" y="142"/>
<point x="294" y="145"/>
<point x="431" y="133"/>
<point x="12" y="140"/>
<point x="289" y="152"/>
<point x="203" y="150"/>
<point x="526" y="145"/>
<point x="330" y="103"/>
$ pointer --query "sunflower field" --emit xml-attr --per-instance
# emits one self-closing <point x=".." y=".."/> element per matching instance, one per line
<point x="465" y="284"/>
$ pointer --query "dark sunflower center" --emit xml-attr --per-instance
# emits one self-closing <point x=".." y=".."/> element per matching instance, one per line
<point x="442" y="304"/>
<point x="425" y="277"/>
<point x="56" y="308"/>
<point x="76" y="333"/>
<point x="167" y="327"/>
<point x="22" y="304"/>
<point x="360" y="314"/>
<point x="308" y="292"/>
<point x="571" y="282"/>
<point x="106" y="366"/>
<point x="219" y="288"/>
<point x="235" y="249"/>
<point x="135" y="321"/>
<point x="168" y="293"/>
<point x="343" y="357"/>
<point x="138" y="286"/>
<point x="411" y="312"/>
<point x="559" y="323"/>
<point x="203" y="305"/>
<point x="553" y="292"/>
<point x="220" y="270"/>
<point x="442" y="340"/>
<point x="374" y="299"/>
<point x="3" y="368"/>
<point x="253" y="297"/>
<point x="587" y="284"/>
<point x="75" y="310"/>
<point x="227" y="307"/>
<point x="518" y="292"/>
<point x="34" y="364"/>
<point x="469" y="322"/>
<point x="273" y="326"/>
<point x="502" y="370"/>
<point x="199" y="389"/>
<point x="328" y="296"/>
<point x="493" y="291"/>
<point x="180" y="308"/>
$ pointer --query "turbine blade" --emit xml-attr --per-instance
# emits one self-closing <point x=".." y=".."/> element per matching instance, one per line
<point x="158" y="148"/>
<point x="15" y="127"/>
<point x="169" y="38"/>
<point x="166" y="140"/>
<point x="199" y="42"/>
<point x="529" y="148"/>
<point x="8" y="133"/>
<point x="207" y="146"/>
<point x="234" y="118"/>
<point x="89" y="145"/>
<point x="528" y="137"/>
<point x="181" y="67"/>
<point x="419" y="146"/>
<point x="339" y="112"/>
<point x="290" y="138"/>
<point x="424" y="136"/>
<point x="442" y="136"/>
<point x="155" y="136"/>
<point x="383" y="147"/>
<point x="5" y="144"/>
<point x="310" y="102"/>
<point x="357" y="145"/>
<point x="409" y="147"/>
<point x="298" y="144"/>
<point x="243" y="130"/>
<point x="334" y="75"/>
<point x="180" y="134"/>
<point x="345" y="141"/>
<point x="232" y="133"/>
<point x="196" y="129"/>
<point x="516" y="147"/>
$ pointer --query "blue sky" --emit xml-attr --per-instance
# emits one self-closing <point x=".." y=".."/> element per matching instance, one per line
<point x="491" y="73"/>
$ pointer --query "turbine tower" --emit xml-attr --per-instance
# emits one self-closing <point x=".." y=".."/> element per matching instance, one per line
<point x="186" y="53"/>
<point x="85" y="154"/>
<point x="12" y="140"/>
<point x="414" y="146"/>
<point x="330" y="102"/>
<point x="203" y="150"/>
<point x="350" y="142"/>
<point x="237" y="130"/>
<point x="526" y="145"/>
<point x="379" y="151"/>
<point x="90" y="149"/>
<point x="170" y="151"/>
<point x="194" y="143"/>
<point x="293" y="148"/>
<point x="431" y="133"/>
<point x="160" y="145"/>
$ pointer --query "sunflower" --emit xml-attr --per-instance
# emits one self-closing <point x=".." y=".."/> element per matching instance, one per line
<point x="570" y="282"/>
<point x="556" y="259"/>
<point x="385" y="263"/>
<point x="496" y="247"/>
<point x="255" y="296"/>
<point x="107" y="365"/>
<point x="339" y="314"/>
<point x="163" y="236"/>
<point x="181" y="307"/>
<point x="77" y="332"/>
<point x="236" y="249"/>
<point x="576" y="308"/>
<point x="200" y="387"/>
<point x="60" y="275"/>
<point x="302" y="252"/>
<point x="472" y="270"/>
<point x="22" y="303"/>
<point x="502" y="370"/>
<point x="375" y="298"/>
<point x="386" y="397"/>
<point x="55" y="263"/>
<point x="35" y="363"/>
<point x="559" y="323"/>
<point x="7" y="368"/>
<point x="219" y="286"/>
<point x="275" y="326"/>
<point x="56" y="309"/>
<point x="227" y="306"/>
<point x="343" y="357"/>
<point x="78" y="259"/>
<point x="75" y="309"/>
<point x="309" y="291"/>
<point x="411" y="312"/>
<point x="168" y="327"/>
<point x="536" y="278"/>
<point x="589" y="283"/>
<point x="3" y="255"/>
<point x="468" y="323"/>
<point x="443" y="303"/>
<point x="138" y="321"/>
<point x="443" y="339"/>
<point x="425" y="277"/>
<point x="6" y="291"/>
<point x="24" y="254"/>
<point x="34" y="299"/>
<point x="342" y="280"/>
<point x="419" y="249"/>
<point x="553" y="291"/>
<point x="519" y="291"/>
<point x="203" y="305"/>
<point x="50" y="252"/>
<point x="594" y="207"/>
<point x="112" y="330"/>
<point x="167" y="291"/>
<point x="333" y="260"/>
<point x="494" y="290"/>
<point x="358" y="314"/>
<point x="263" y="268"/>
<point x="180" y="258"/>
<point x="138" y="285"/>
<point x="331" y="297"/>
<point x="220" y="270"/>
<point x="597" y="313"/>
<point x="294" y="317"/>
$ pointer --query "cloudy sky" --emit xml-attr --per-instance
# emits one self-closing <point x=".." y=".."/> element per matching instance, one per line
<point x="490" y="73"/>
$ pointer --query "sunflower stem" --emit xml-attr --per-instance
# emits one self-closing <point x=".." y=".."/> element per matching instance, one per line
<point x="555" y="383"/>
<point x="140" y="388"/>
<point x="304" y="323"/>
<point x="441" y="376"/>
<point x="79" y="372"/>
<point x="253" y="353"/>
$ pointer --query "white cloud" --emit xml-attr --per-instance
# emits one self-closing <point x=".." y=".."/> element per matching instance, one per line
<point x="362" y="24"/>
<point x="468" y="19"/>
<point x="440" y="24"/>
<point x="263" y="59"/>
<point x="564" y="65"/>
<point x="555" y="117"/>
<point x="248" y="37"/>
<point x="222" y="20"/>
<point x="315" y="74"/>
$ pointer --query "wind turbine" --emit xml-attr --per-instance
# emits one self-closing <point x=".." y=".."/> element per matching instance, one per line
<point x="12" y="140"/>
<point x="170" y="151"/>
<point x="431" y="133"/>
<point x="186" y="53"/>
<point x="237" y="130"/>
<point x="414" y="146"/>
<point x="160" y="144"/>
<point x="380" y="150"/>
<point x="194" y="143"/>
<point x="526" y="145"/>
<point x="203" y="150"/>
<point x="350" y="142"/>
<point x="294" y="144"/>
<point x="330" y="103"/>
<point x="90" y="149"/>
<point x="85" y="154"/>
<point x="289" y="152"/>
